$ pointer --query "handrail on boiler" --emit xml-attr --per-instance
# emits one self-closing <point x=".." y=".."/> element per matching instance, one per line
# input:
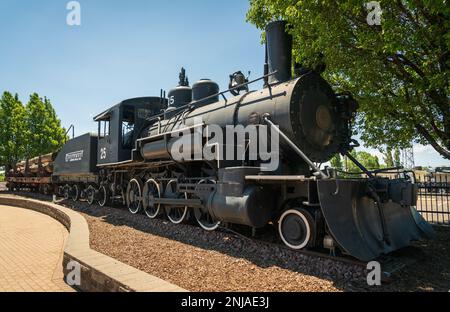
<point x="193" y="104"/>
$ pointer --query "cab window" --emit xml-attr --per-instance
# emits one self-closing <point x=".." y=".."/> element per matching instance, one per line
<point x="128" y="125"/>
<point x="104" y="128"/>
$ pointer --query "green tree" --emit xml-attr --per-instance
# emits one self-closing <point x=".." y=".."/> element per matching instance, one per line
<point x="336" y="162"/>
<point x="368" y="160"/>
<point x="398" y="71"/>
<point x="45" y="132"/>
<point x="13" y="136"/>
<point x="58" y="135"/>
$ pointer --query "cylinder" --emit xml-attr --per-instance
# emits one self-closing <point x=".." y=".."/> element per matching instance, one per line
<point x="279" y="52"/>
<point x="235" y="202"/>
<point x="253" y="207"/>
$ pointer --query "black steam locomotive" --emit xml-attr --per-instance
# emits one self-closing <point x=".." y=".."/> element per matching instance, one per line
<point x="131" y="160"/>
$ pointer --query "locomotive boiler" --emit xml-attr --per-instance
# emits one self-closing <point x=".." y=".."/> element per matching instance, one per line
<point x="138" y="161"/>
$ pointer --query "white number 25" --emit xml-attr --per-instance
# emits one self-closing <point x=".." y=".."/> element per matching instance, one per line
<point x="103" y="153"/>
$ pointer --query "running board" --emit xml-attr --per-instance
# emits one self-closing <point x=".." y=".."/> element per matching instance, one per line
<point x="275" y="178"/>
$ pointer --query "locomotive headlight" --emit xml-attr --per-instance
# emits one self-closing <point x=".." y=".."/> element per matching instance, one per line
<point x="316" y="119"/>
<point x="323" y="118"/>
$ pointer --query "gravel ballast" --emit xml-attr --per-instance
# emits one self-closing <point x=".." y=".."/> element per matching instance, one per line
<point x="197" y="260"/>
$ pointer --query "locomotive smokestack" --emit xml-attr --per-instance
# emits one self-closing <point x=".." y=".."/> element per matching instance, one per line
<point x="279" y="52"/>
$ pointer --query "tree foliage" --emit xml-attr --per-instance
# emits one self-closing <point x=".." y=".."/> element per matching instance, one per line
<point x="12" y="130"/>
<point x="27" y="131"/>
<point x="45" y="132"/>
<point x="368" y="160"/>
<point x="398" y="71"/>
<point x="336" y="162"/>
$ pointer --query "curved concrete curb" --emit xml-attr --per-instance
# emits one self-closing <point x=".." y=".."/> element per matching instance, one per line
<point x="98" y="271"/>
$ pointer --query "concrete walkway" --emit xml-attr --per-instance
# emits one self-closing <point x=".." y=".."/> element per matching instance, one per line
<point x="98" y="272"/>
<point x="31" y="251"/>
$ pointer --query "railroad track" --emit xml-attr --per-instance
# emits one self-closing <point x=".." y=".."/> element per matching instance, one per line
<point x="390" y="264"/>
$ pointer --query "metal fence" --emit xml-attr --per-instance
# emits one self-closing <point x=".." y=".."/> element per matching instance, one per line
<point x="434" y="198"/>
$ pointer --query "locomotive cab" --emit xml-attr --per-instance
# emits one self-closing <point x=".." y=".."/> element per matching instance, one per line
<point x="120" y="126"/>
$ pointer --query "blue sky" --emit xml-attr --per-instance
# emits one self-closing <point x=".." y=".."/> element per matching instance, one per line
<point x="125" y="49"/>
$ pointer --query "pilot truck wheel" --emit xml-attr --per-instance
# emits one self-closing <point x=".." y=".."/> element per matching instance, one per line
<point x="297" y="228"/>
